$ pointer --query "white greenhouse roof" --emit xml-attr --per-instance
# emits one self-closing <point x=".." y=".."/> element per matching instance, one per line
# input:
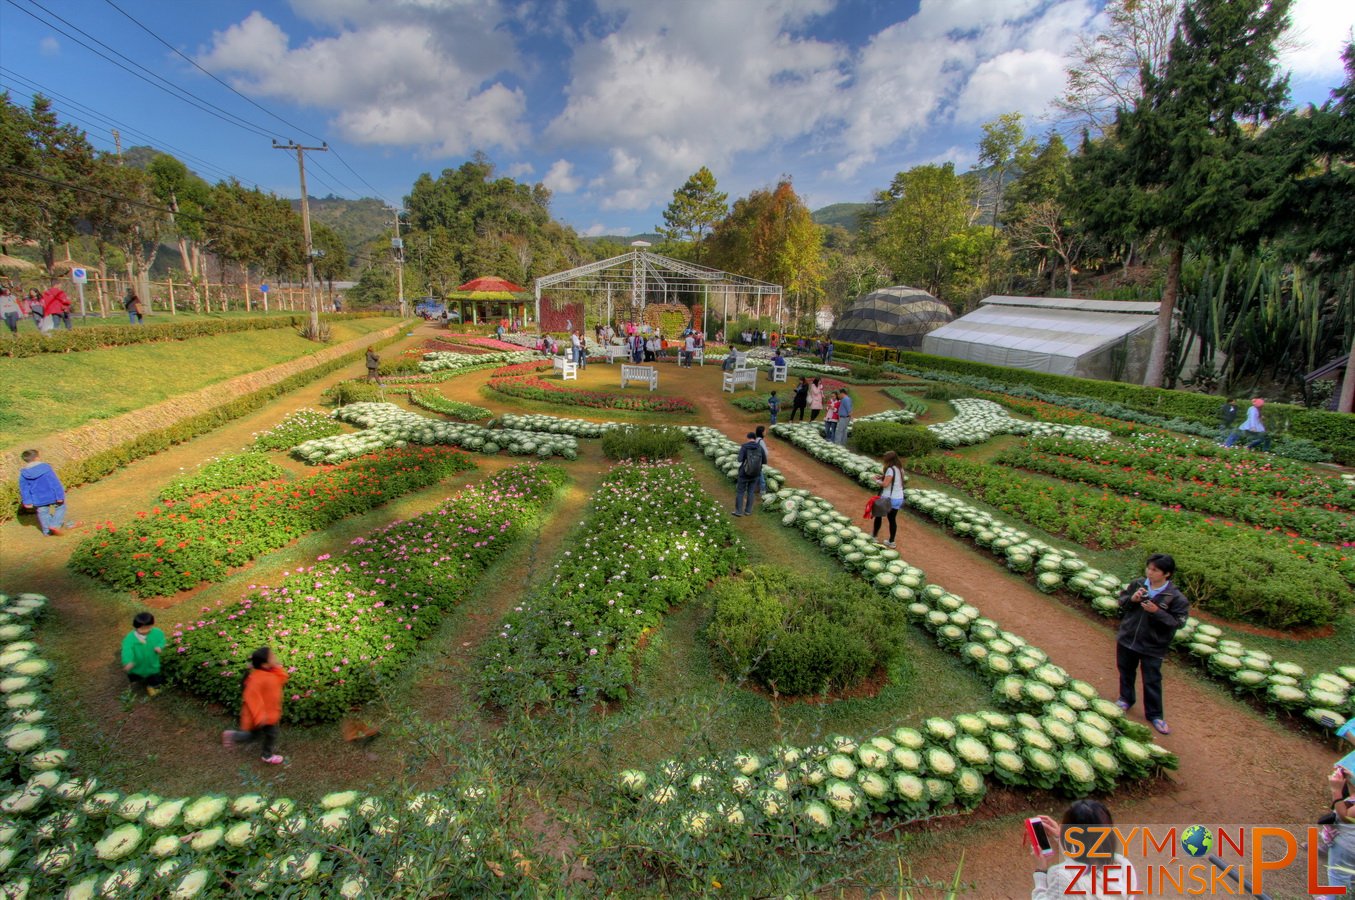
<point x="1110" y="306"/>
<point x="1034" y="336"/>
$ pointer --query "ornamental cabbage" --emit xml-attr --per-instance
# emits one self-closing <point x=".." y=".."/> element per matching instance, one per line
<point x="339" y="798"/>
<point x="940" y="763"/>
<point x="203" y="811"/>
<point x="840" y="766"/>
<point x="206" y="839"/>
<point x="190" y="885"/>
<point x="842" y="796"/>
<point x="818" y="816"/>
<point x="119" y="843"/>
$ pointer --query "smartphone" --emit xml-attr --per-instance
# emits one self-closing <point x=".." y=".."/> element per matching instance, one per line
<point x="1039" y="838"/>
<point x="1327" y="721"/>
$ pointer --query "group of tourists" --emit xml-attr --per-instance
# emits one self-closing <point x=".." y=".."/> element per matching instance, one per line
<point x="52" y="308"/>
<point x="1253" y="427"/>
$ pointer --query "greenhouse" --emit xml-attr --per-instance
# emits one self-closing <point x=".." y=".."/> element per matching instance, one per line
<point x="896" y="317"/>
<point x="1104" y="339"/>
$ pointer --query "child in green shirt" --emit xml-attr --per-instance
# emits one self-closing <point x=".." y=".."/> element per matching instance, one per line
<point x="141" y="653"/>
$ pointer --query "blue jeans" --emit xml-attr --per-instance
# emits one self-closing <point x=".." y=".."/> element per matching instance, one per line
<point x="53" y="516"/>
<point x="840" y="435"/>
<point x="743" y="495"/>
<point x="12" y="320"/>
<point x="830" y="429"/>
<point x="133" y="317"/>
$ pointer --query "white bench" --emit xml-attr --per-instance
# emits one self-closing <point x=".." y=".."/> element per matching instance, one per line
<point x="740" y="377"/>
<point x="644" y="374"/>
<point x="779" y="372"/>
<point x="699" y="356"/>
<point x="615" y="352"/>
<point x="569" y="370"/>
<point x="740" y="360"/>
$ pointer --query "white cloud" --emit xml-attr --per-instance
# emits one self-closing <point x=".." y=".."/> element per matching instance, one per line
<point x="399" y="73"/>
<point x="1021" y="81"/>
<point x="49" y="46"/>
<point x="596" y="229"/>
<point x="1318" y="34"/>
<point x="673" y="87"/>
<point x="561" y="178"/>
<point x="520" y="169"/>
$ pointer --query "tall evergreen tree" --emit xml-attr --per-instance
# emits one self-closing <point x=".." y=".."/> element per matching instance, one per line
<point x="1184" y="162"/>
<point x="694" y="211"/>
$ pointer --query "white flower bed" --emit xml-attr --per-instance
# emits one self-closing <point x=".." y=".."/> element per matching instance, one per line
<point x="448" y="361"/>
<point x="387" y="425"/>
<point x="979" y="420"/>
<point x="579" y="428"/>
<point x="1283" y="685"/>
<point x="901" y="416"/>
<point x="809" y="438"/>
<point x="725" y="454"/>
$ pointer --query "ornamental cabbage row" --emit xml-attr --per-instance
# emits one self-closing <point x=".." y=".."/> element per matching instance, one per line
<point x="178" y="546"/>
<point x="1280" y="685"/>
<point x="348" y="622"/>
<point x="652" y="538"/>
<point x="387" y="425"/>
<point x="979" y="420"/>
<point x="441" y="361"/>
<point x="725" y="454"/>
<point x="809" y="438"/>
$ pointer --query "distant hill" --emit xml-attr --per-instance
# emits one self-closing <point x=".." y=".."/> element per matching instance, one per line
<point x="626" y="239"/>
<point x="358" y="222"/>
<point x="848" y="215"/>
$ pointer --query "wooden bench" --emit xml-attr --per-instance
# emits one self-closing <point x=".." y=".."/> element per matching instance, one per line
<point x="615" y="352"/>
<point x="779" y="372"/>
<point x="645" y="374"/>
<point x="569" y="370"/>
<point x="739" y="377"/>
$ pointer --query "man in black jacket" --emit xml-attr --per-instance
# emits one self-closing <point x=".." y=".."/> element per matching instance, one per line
<point x="1153" y="610"/>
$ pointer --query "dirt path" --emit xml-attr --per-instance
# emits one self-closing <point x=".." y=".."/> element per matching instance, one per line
<point x="1215" y="736"/>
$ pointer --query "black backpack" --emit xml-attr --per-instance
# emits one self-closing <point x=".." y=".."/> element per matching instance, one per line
<point x="752" y="461"/>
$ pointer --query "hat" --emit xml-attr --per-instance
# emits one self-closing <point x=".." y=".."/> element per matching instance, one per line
<point x="1258" y="402"/>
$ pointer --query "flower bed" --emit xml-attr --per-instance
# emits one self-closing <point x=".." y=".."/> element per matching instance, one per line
<point x="435" y="402"/>
<point x="343" y="625"/>
<point x="1279" y="685"/>
<point x="476" y="340"/>
<point x="222" y="474"/>
<point x="977" y="421"/>
<point x="809" y="438"/>
<point x="443" y="362"/>
<point x="302" y="425"/>
<point x="652" y="537"/>
<point x="532" y="388"/>
<point x="724" y="453"/>
<point x="579" y="428"/>
<point x="178" y="546"/>
<point x="387" y="425"/>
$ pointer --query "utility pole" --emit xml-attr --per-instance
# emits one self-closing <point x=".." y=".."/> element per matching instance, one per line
<point x="398" y="245"/>
<point x="117" y="145"/>
<point x="306" y="229"/>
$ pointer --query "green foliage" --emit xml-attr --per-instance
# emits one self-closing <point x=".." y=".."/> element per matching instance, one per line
<point x="908" y="401"/>
<point x="94" y="467"/>
<point x="876" y="438"/>
<point x="800" y="636"/>
<point x="435" y="402"/>
<point x="400" y="365"/>
<point x="642" y="442"/>
<point x="1240" y="576"/>
<point x="770" y="235"/>
<point x="352" y="391"/>
<point x="396" y="597"/>
<point x="181" y="545"/>
<point x="223" y="473"/>
<point x="694" y="210"/>
<point x="35" y="143"/>
<point x="302" y="425"/>
<point x="945" y="392"/>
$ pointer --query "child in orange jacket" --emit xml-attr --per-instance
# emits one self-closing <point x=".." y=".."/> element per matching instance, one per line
<point x="262" y="708"/>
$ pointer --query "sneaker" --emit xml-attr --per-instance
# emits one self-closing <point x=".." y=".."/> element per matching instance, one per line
<point x="1161" y="726"/>
<point x="1122" y="705"/>
<point x="274" y="760"/>
<point x="889" y="544"/>
<point x="55" y="532"/>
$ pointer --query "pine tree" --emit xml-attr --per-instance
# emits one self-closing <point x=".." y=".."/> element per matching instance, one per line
<point x="694" y="211"/>
<point x="1184" y="163"/>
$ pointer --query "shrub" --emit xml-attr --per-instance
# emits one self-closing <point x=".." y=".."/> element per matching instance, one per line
<point x="221" y="474"/>
<point x="875" y="438"/>
<point x="1239" y="576"/>
<point x="800" y="636"/>
<point x="945" y="392"/>
<point x="302" y="425"/>
<point x="400" y="365"/>
<point x="434" y="402"/>
<point x="642" y="442"/>
<point x="868" y="373"/>
<point x="352" y="391"/>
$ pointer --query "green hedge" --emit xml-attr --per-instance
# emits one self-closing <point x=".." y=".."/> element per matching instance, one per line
<point x="1334" y="432"/>
<point x="643" y="442"/>
<point x="876" y="438"/>
<point x="102" y="336"/>
<point x="100" y="464"/>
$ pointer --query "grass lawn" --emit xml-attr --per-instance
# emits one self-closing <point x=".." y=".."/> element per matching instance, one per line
<point x="54" y="392"/>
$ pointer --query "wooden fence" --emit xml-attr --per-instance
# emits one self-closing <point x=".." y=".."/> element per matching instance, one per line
<point x="103" y="296"/>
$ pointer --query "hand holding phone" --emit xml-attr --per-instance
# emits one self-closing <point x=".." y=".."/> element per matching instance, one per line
<point x="1038" y="835"/>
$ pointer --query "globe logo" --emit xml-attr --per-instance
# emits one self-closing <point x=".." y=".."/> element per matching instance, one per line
<point x="1197" y="840"/>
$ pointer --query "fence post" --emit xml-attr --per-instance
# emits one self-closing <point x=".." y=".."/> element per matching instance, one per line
<point x="172" y="305"/>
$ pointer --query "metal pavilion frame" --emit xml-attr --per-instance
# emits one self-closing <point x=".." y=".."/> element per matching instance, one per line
<point x="632" y="274"/>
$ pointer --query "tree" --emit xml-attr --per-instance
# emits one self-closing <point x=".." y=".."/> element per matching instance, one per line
<point x="695" y="209"/>
<point x="923" y="228"/>
<point x="1184" y="162"/>
<point x="333" y="264"/>
<point x="1038" y="215"/>
<point x="1108" y="67"/>
<point x="1044" y="227"/>
<point x="1004" y="147"/>
<point x="185" y="195"/>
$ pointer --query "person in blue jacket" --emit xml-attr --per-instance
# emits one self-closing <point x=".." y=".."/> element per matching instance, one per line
<point x="41" y="490"/>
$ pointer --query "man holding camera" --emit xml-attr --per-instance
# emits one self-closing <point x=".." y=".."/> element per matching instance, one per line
<point x="1153" y="610"/>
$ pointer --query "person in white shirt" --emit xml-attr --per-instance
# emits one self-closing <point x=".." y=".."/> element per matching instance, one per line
<point x="1092" y="865"/>
<point x="688" y="350"/>
<point x="891" y="489"/>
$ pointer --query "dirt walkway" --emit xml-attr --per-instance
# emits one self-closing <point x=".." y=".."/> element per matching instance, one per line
<point x="1215" y="736"/>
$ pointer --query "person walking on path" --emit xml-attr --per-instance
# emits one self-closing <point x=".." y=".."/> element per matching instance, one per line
<point x="815" y="396"/>
<point x="261" y="709"/>
<point x="1255" y="428"/>
<point x="56" y="306"/>
<point x="41" y="490"/>
<point x="35" y="307"/>
<point x="760" y="433"/>
<point x="141" y="650"/>
<point x="844" y="418"/>
<point x="132" y="303"/>
<point x="9" y="309"/>
<point x="799" y="400"/>
<point x="751" y="458"/>
<point x="891" y="489"/>
<point x="1227" y="418"/>
<point x="1153" y="609"/>
<point x="773" y="406"/>
<point x="373" y="366"/>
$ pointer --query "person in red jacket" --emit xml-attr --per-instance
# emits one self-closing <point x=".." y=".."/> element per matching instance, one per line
<point x="262" y="708"/>
<point x="56" y="304"/>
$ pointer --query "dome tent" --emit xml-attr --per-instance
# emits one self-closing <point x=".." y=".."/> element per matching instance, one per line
<point x="895" y="317"/>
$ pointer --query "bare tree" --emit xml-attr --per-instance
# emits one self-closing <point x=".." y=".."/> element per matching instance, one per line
<point x="1045" y="228"/>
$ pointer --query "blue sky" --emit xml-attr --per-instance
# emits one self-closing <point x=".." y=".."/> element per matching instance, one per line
<point x="611" y="103"/>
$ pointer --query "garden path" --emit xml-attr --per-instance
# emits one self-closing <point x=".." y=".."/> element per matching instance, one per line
<point x="1215" y="736"/>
